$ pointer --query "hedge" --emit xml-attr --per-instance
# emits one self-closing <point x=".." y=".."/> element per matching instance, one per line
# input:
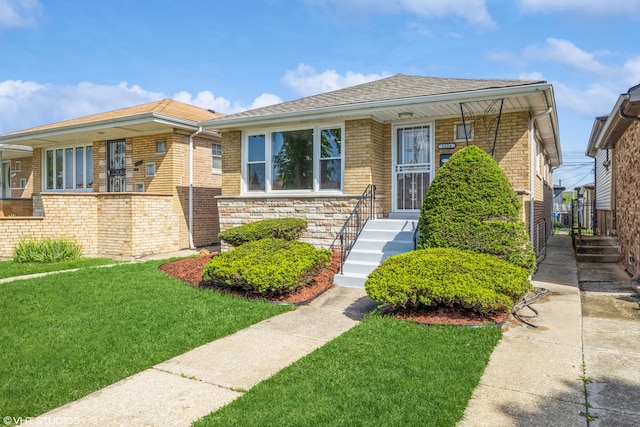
<point x="448" y="277"/>
<point x="267" y="266"/>
<point x="472" y="206"/>
<point x="280" y="228"/>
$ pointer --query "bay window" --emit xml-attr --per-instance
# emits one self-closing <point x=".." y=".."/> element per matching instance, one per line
<point x="294" y="160"/>
<point x="68" y="168"/>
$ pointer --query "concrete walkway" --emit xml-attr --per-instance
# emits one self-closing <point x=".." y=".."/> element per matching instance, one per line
<point x="585" y="351"/>
<point x="190" y="386"/>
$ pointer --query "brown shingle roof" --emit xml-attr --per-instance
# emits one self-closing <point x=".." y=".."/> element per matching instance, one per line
<point x="399" y="86"/>
<point x="166" y="107"/>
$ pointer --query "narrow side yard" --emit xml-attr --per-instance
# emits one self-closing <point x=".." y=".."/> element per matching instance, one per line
<point x="66" y="335"/>
<point x="384" y="371"/>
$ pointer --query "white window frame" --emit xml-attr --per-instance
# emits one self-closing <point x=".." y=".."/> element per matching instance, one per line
<point x="267" y="132"/>
<point x="139" y="187"/>
<point x="146" y="169"/>
<point x="215" y="155"/>
<point x="18" y="166"/>
<point x="161" y="146"/>
<point x="471" y="131"/>
<point x="23" y="183"/>
<point x="85" y="175"/>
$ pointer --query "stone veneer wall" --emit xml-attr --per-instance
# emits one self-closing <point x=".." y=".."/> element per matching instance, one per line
<point x="325" y="215"/>
<point x="119" y="225"/>
<point x="627" y="196"/>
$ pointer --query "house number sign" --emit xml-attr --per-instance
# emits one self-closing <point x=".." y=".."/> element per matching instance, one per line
<point x="446" y="146"/>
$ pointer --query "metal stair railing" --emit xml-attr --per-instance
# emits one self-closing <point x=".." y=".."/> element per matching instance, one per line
<point x="362" y="212"/>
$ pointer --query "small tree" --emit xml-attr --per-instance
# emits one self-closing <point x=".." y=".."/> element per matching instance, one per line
<point x="472" y="206"/>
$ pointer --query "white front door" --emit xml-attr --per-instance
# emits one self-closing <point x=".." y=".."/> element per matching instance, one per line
<point x="5" y="180"/>
<point x="413" y="166"/>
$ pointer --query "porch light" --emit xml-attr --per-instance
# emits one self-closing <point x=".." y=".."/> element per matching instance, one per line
<point x="405" y="115"/>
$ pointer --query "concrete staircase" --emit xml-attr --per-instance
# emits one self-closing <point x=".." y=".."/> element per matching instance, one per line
<point x="378" y="240"/>
<point x="597" y="249"/>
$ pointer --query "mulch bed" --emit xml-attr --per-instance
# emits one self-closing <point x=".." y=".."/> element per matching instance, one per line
<point x="189" y="270"/>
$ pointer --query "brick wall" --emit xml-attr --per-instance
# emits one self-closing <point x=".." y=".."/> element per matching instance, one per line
<point x="367" y="151"/>
<point x="16" y="207"/>
<point x="119" y="225"/>
<point x="627" y="207"/>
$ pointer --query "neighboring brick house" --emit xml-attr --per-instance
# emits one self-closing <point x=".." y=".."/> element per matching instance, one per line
<point x="131" y="182"/>
<point x="615" y="145"/>
<point x="313" y="157"/>
<point x="16" y="179"/>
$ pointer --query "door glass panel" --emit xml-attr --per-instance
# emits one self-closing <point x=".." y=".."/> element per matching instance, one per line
<point x="117" y="165"/>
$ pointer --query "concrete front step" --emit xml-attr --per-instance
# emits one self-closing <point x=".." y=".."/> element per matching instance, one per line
<point x="597" y="257"/>
<point x="602" y="250"/>
<point x="378" y="240"/>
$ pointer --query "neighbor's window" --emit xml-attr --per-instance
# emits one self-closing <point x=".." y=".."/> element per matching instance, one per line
<point x="23" y="183"/>
<point x="216" y="157"/>
<point x="151" y="169"/>
<point x="69" y="168"/>
<point x="464" y="132"/>
<point x="139" y="187"/>
<point x="161" y="146"/>
<point x="18" y="166"/>
<point x="294" y="160"/>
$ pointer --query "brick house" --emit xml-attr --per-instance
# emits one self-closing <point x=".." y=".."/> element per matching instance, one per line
<point x="125" y="183"/>
<point x="614" y="144"/>
<point x="313" y="157"/>
<point x="16" y="179"/>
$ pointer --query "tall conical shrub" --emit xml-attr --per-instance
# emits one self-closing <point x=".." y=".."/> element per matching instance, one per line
<point x="472" y="206"/>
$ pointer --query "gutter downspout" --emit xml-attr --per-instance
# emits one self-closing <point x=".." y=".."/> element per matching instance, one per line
<point x="200" y="130"/>
<point x="532" y="167"/>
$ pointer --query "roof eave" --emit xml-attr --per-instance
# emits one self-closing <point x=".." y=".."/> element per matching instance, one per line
<point x="231" y="122"/>
<point x="135" y="119"/>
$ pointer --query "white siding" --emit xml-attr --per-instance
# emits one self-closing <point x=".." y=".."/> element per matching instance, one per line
<point x="603" y="180"/>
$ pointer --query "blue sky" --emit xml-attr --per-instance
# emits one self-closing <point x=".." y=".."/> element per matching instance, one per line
<point x="66" y="59"/>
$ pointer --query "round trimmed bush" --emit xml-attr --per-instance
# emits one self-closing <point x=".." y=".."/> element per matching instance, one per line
<point x="472" y="206"/>
<point x="279" y="228"/>
<point x="267" y="266"/>
<point x="448" y="277"/>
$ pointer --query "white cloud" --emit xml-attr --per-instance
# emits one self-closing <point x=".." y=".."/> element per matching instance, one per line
<point x="596" y="100"/>
<point x="208" y="100"/>
<point x="19" y="13"/>
<point x="305" y="81"/>
<point x="474" y="11"/>
<point x="596" y="8"/>
<point x="565" y="52"/>
<point x="26" y="104"/>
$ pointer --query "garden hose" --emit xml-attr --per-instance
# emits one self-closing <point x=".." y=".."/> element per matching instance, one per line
<point x="525" y="302"/>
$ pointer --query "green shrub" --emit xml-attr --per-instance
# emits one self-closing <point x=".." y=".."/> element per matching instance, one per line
<point x="448" y="277"/>
<point x="268" y="266"/>
<point x="472" y="206"/>
<point x="279" y="228"/>
<point x="46" y="250"/>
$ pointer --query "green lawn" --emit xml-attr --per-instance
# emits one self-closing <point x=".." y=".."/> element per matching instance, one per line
<point x="12" y="269"/>
<point x="383" y="372"/>
<point x="66" y="335"/>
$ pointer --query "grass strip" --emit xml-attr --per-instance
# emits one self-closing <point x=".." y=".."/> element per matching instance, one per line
<point x="13" y="269"/>
<point x="66" y="335"/>
<point x="382" y="372"/>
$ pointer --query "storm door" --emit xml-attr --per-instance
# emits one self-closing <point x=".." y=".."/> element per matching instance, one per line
<point x="5" y="180"/>
<point x="412" y="170"/>
<point x="116" y="169"/>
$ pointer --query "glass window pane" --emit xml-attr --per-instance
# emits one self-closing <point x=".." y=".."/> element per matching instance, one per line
<point x="89" y="166"/>
<point x="330" y="174"/>
<point x="292" y="160"/>
<point x="50" y="169"/>
<point x="217" y="163"/>
<point x="330" y="143"/>
<point x="79" y="167"/>
<point x="68" y="168"/>
<point x="256" y="148"/>
<point x="255" y="178"/>
<point x="59" y="166"/>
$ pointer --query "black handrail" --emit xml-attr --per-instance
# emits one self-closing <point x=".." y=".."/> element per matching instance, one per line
<point x="362" y="212"/>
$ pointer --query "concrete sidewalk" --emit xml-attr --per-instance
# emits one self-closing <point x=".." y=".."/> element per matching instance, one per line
<point x="585" y="351"/>
<point x="190" y="386"/>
